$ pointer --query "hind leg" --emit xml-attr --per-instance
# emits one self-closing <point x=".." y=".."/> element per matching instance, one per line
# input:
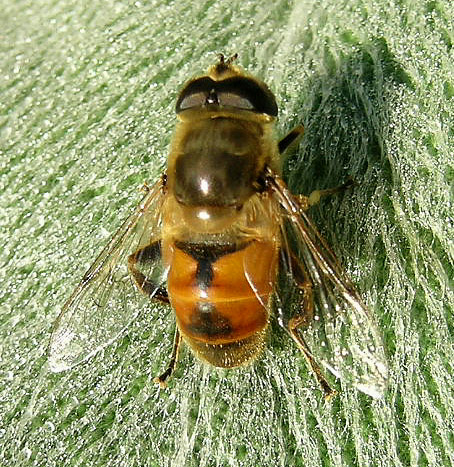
<point x="302" y="319"/>
<point x="137" y="262"/>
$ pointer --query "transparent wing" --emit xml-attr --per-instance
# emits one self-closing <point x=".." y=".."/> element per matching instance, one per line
<point x="342" y="334"/>
<point x="107" y="300"/>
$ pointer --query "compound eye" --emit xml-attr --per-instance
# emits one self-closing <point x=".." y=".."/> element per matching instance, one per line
<point x="234" y="100"/>
<point x="237" y="92"/>
<point x="196" y="99"/>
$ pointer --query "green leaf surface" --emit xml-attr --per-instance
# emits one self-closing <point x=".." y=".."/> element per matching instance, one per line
<point x="87" y="93"/>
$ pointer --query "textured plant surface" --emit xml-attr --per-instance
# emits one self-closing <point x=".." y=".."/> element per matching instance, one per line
<point x="86" y="114"/>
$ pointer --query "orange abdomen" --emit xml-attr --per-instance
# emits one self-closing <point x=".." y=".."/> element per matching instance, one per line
<point x="220" y="293"/>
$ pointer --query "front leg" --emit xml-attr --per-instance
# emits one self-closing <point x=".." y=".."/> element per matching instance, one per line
<point x="290" y="138"/>
<point x="306" y="202"/>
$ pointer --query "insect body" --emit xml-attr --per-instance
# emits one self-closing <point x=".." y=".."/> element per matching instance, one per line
<point x="221" y="239"/>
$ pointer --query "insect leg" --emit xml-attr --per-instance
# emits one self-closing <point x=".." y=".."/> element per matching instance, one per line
<point x="302" y="319"/>
<point x="305" y="202"/>
<point x="301" y="278"/>
<point x="150" y="254"/>
<point x="290" y="138"/>
<point x="162" y="379"/>
<point x="316" y="195"/>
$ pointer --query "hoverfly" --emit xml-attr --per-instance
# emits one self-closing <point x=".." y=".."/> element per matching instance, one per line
<point x="222" y="240"/>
